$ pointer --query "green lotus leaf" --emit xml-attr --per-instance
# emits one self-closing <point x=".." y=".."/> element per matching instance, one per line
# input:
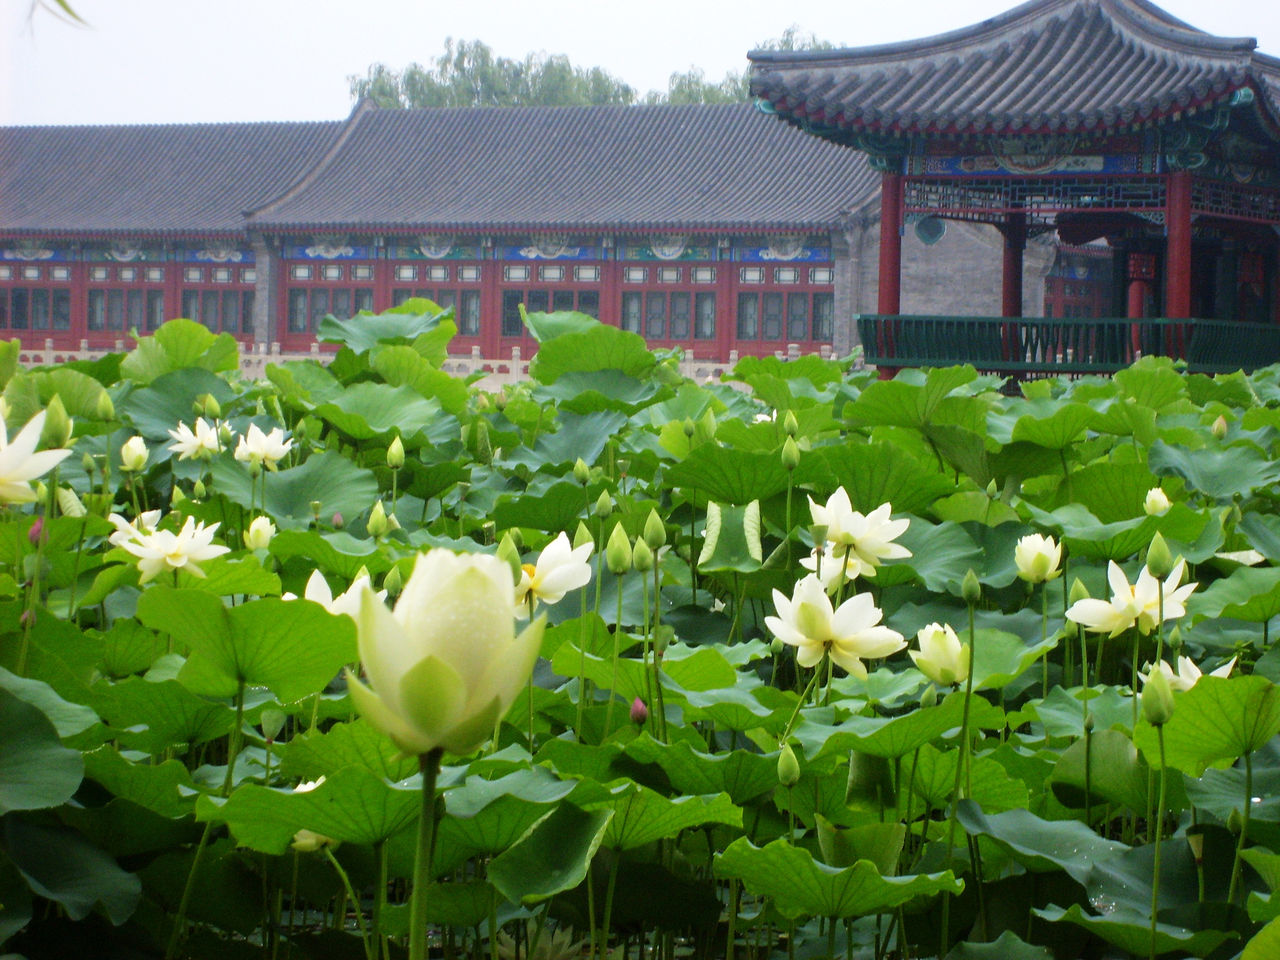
<point x="405" y="324"/>
<point x="1152" y="382"/>
<point x="1042" y="846"/>
<point x="873" y="474"/>
<point x="557" y="508"/>
<point x="744" y="776"/>
<point x="1215" y="722"/>
<point x="1112" y="492"/>
<point x="729" y="476"/>
<point x="593" y="347"/>
<point x="1220" y="475"/>
<point x="330" y="478"/>
<point x="165" y="788"/>
<point x="403" y="366"/>
<point x="1221" y="792"/>
<point x="153" y="715"/>
<point x="1266" y="863"/>
<point x="1061" y="715"/>
<point x="547" y="326"/>
<point x="731" y="542"/>
<point x="338" y="553"/>
<point x="1117" y="774"/>
<point x="456" y="904"/>
<point x="589" y="391"/>
<point x="68" y="719"/>
<point x="62" y="866"/>
<point x="293" y="647"/>
<point x="579" y="436"/>
<point x="903" y="404"/>
<point x="1007" y="946"/>
<point x="1249" y="593"/>
<point x="1264" y="944"/>
<point x="36" y="770"/>
<point x="931" y="775"/>
<point x="156" y="409"/>
<point x="940" y="557"/>
<point x="30" y="392"/>
<point x="800" y="886"/>
<point x="644" y="815"/>
<point x="353" y="805"/>
<point x="319" y="753"/>
<point x="180" y="344"/>
<point x="552" y="857"/>
<point x="378" y="410"/>
<point x="1131" y="931"/>
<point x="1050" y="424"/>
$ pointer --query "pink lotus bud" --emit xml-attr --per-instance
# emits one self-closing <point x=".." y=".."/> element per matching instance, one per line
<point x="337" y="521"/>
<point x="639" y="712"/>
<point x="27" y="618"/>
<point x="36" y="533"/>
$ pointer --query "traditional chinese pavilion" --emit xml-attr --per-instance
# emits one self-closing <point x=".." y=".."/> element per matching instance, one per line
<point x="1102" y="120"/>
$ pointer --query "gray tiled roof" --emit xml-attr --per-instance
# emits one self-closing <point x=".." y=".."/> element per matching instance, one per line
<point x="721" y="167"/>
<point x="1046" y="66"/>
<point x="163" y="179"/>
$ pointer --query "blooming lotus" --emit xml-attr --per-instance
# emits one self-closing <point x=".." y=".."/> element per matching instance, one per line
<point x="1188" y="673"/>
<point x="263" y="449"/>
<point x="143" y="526"/>
<point x="444" y="666"/>
<point x="317" y="591"/>
<point x="1137" y="604"/>
<point x="163" y="550"/>
<point x="133" y="455"/>
<point x="848" y="634"/>
<point x="1038" y="558"/>
<point x="560" y="568"/>
<point x="200" y="444"/>
<point x="20" y="463"/>
<point x="259" y="534"/>
<point x="869" y="537"/>
<point x="827" y="568"/>
<point x="941" y="657"/>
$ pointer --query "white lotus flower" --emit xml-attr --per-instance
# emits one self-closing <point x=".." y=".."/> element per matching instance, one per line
<point x="317" y="591"/>
<point x="1156" y="502"/>
<point x="828" y="571"/>
<point x="200" y="444"/>
<point x="1133" y="604"/>
<point x="869" y="537"/>
<point x="445" y="666"/>
<point x="259" y="534"/>
<point x="807" y="622"/>
<point x="1188" y="673"/>
<point x="163" y="550"/>
<point x="560" y="568"/>
<point x="20" y="463"/>
<point x="143" y="526"/>
<point x="941" y="657"/>
<point x="1038" y="558"/>
<point x="133" y="455"/>
<point x="264" y="449"/>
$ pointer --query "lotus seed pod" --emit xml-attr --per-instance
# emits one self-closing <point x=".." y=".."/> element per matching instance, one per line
<point x="970" y="588"/>
<point x="395" y="454"/>
<point x="790" y="426"/>
<point x="617" y="552"/>
<point x="1089" y="722"/>
<point x="315" y="509"/>
<point x="604" y="504"/>
<point x="788" y="766"/>
<point x="1159" y="559"/>
<point x="790" y="454"/>
<point x="581" y="472"/>
<point x="1219" y="428"/>
<point x="655" y="532"/>
<point x="642" y="556"/>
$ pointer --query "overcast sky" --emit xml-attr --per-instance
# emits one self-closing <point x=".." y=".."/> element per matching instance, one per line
<point x="166" y="61"/>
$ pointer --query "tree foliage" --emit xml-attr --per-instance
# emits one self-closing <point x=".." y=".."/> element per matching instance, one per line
<point x="469" y="74"/>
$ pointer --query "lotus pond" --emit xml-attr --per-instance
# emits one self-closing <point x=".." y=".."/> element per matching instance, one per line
<point x="821" y="665"/>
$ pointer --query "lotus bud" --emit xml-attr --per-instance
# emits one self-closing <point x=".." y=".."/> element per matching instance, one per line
<point x="133" y="455"/>
<point x="300" y="430"/>
<point x="581" y="472"/>
<point x="1157" y="698"/>
<point x="776" y="646"/>
<point x="69" y="503"/>
<point x="362" y="574"/>
<point x="639" y="712"/>
<point x="1219" y="428"/>
<point x="688" y="428"/>
<point x="790" y="454"/>
<point x="176" y="497"/>
<point x="35" y="533"/>
<point x="929" y="698"/>
<point x="104" y="408"/>
<point x="57" y="425"/>
<point x="706" y="427"/>
<point x="642" y="556"/>
<point x="1196" y="842"/>
<point x="273" y="407"/>
<point x="790" y="426"/>
<point x="655" y="533"/>
<point x="272" y="723"/>
<point x="1159" y="559"/>
<point x="516" y="537"/>
<point x="604" y="504"/>
<point x="484" y="445"/>
<point x="970" y="588"/>
<point x="1089" y="722"/>
<point x="617" y="552"/>
<point x="393" y="524"/>
<point x="87" y="464"/>
<point x="377" y="524"/>
<point x="393" y="582"/>
<point x="1235" y="820"/>
<point x="582" y="536"/>
<point x="1156" y="502"/>
<point x="1038" y="558"/>
<point x="225" y="434"/>
<point x="1071" y="630"/>
<point x="315" y="511"/>
<point x="624" y="466"/>
<point x="992" y="489"/>
<point x="395" y="454"/>
<point x="42" y="492"/>
<point x="788" y="766"/>
<point x="259" y="534"/>
<point x="509" y="554"/>
<point x="198" y="490"/>
<point x="1175" y="639"/>
<point x="1078" y="591"/>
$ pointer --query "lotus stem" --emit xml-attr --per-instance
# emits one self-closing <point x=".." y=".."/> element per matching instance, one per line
<point x="1244" y="827"/>
<point x="1159" y="817"/>
<point x="429" y="763"/>
<point x="355" y="901"/>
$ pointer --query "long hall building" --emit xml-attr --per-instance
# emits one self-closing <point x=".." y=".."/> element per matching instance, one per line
<point x="711" y="228"/>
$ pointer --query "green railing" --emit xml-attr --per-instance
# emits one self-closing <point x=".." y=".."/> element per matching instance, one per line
<point x="1042" y="346"/>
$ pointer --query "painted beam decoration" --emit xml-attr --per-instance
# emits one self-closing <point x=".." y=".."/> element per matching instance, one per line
<point x="1068" y="155"/>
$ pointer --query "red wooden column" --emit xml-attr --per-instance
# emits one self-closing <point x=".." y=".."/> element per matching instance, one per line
<point x="1178" y="258"/>
<point x="890" y="291"/>
<point x="1015" y="244"/>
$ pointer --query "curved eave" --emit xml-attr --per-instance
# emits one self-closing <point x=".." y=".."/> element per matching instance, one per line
<point x="91" y="233"/>
<point x="544" y="227"/>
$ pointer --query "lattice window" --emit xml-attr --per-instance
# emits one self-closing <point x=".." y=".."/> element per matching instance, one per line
<point x="987" y="199"/>
<point x="1236" y="201"/>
